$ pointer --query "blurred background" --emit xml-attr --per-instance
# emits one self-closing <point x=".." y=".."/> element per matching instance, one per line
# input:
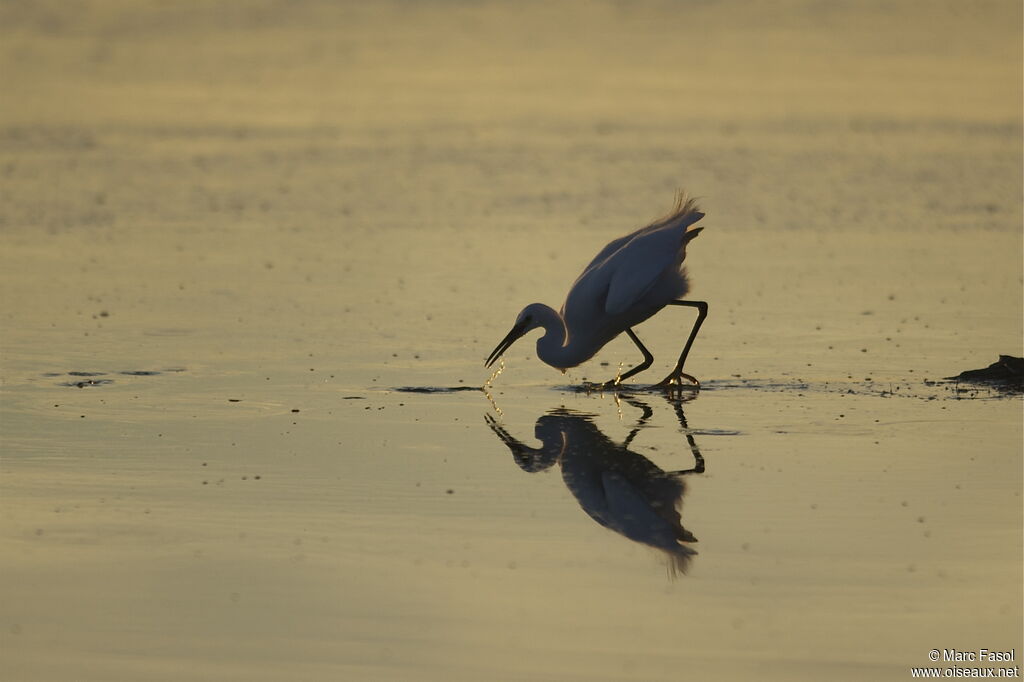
<point x="382" y="151"/>
<point x="229" y="231"/>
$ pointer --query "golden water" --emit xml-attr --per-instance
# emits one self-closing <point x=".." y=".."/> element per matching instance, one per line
<point x="230" y="231"/>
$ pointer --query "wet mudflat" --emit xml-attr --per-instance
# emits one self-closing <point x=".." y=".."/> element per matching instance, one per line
<point x="248" y="291"/>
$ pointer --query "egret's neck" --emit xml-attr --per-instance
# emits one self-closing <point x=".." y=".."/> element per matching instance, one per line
<point x="553" y="347"/>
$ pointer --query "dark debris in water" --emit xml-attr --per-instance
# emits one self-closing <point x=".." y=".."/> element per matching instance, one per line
<point x="923" y="389"/>
<point x="685" y="391"/>
<point x="1000" y="380"/>
<point x="85" y="379"/>
<point x="437" y="389"/>
<point x="1007" y="372"/>
<point x="87" y="382"/>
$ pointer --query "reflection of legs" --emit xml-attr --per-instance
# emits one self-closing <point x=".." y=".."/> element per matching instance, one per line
<point x="698" y="459"/>
<point x="641" y="422"/>
<point x="648" y="359"/>
<point x="677" y="405"/>
<point x="676" y="376"/>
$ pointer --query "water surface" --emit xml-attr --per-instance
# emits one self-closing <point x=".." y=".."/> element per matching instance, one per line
<point x="253" y="258"/>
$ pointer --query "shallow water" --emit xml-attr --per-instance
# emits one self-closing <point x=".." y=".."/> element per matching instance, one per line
<point x="253" y="258"/>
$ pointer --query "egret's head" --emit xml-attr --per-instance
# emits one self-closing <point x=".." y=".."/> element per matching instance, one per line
<point x="528" y="319"/>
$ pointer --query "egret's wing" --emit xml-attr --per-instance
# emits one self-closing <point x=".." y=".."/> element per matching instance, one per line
<point x="637" y="265"/>
<point x="611" y="248"/>
<point x="684" y="214"/>
<point x="627" y="267"/>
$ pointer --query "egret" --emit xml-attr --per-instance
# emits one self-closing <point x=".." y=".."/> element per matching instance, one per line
<point x="630" y="280"/>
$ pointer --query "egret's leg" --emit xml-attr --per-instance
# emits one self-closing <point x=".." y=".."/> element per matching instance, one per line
<point x="648" y="359"/>
<point x="677" y="375"/>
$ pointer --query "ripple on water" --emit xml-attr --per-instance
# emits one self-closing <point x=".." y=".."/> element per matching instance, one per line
<point x="83" y="379"/>
<point x="437" y="389"/>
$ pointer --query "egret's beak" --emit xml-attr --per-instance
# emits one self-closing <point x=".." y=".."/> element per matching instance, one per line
<point x="510" y="338"/>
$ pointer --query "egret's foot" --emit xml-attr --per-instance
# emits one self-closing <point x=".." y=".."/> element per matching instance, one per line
<point x="610" y="385"/>
<point x="674" y="381"/>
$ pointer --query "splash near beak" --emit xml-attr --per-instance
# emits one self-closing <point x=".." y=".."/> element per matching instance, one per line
<point x="510" y="338"/>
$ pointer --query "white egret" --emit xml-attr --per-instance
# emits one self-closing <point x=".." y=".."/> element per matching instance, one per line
<point x="631" y="279"/>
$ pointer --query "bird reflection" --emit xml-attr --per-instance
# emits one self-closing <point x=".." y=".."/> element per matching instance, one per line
<point x="617" y="487"/>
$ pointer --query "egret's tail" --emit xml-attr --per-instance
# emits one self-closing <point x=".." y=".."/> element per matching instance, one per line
<point x="684" y="214"/>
